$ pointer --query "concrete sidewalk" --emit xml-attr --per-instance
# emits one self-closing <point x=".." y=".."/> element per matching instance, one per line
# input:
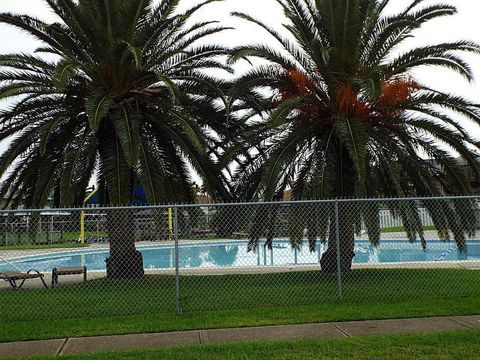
<point x="86" y="345"/>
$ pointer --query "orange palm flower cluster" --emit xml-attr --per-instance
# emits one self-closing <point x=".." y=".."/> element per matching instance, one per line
<point x="298" y="84"/>
<point x="349" y="103"/>
<point x="397" y="91"/>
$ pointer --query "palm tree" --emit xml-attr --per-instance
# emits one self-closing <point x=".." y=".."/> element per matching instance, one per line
<point x="345" y="118"/>
<point x="122" y="92"/>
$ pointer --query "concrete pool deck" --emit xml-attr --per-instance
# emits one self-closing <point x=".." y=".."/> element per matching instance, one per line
<point x="88" y="345"/>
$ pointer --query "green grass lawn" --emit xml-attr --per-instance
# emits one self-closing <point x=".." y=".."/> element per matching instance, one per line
<point x="395" y="229"/>
<point x="40" y="247"/>
<point x="22" y="241"/>
<point x="119" y="307"/>
<point x="441" y="346"/>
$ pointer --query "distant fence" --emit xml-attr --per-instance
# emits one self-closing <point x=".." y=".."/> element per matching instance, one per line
<point x="388" y="219"/>
<point x="229" y="256"/>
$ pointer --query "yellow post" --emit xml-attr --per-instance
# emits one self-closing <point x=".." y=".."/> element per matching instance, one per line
<point x="82" y="216"/>
<point x="170" y="224"/>
<point x="82" y="226"/>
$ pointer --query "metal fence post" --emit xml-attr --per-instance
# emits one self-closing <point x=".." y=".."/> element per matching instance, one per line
<point x="177" y="269"/>
<point x="337" y="239"/>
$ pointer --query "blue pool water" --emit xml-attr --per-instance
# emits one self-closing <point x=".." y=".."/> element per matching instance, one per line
<point x="234" y="254"/>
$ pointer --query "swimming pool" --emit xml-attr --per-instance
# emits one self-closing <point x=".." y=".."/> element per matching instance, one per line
<point x="234" y="254"/>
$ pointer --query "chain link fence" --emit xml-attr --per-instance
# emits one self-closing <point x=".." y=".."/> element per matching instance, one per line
<point x="81" y="263"/>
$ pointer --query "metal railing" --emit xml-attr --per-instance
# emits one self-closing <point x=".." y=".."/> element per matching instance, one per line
<point x="199" y="257"/>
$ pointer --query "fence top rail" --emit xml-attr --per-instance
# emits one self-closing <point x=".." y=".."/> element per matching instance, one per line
<point x="55" y="211"/>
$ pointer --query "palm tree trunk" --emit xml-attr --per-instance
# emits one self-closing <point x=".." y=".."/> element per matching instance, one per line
<point x="331" y="261"/>
<point x="125" y="261"/>
<point x="345" y="243"/>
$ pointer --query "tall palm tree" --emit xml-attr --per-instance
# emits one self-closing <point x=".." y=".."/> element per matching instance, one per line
<point x="126" y="96"/>
<point x="345" y="118"/>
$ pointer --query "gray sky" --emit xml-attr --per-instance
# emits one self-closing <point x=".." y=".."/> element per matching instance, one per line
<point x="464" y="25"/>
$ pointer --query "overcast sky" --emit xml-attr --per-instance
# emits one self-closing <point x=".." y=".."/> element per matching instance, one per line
<point x="464" y="25"/>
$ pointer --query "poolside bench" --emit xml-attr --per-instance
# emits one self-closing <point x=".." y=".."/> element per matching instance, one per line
<point x="56" y="272"/>
<point x="13" y="276"/>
